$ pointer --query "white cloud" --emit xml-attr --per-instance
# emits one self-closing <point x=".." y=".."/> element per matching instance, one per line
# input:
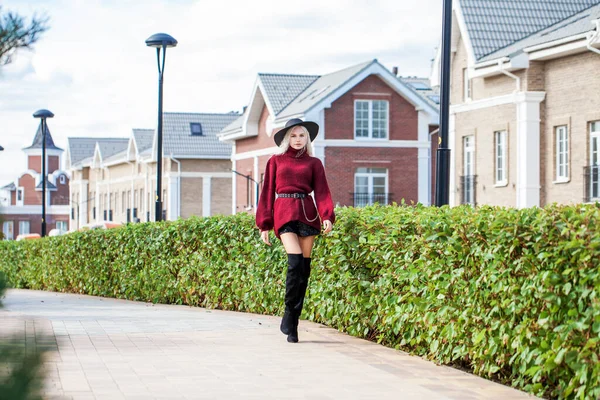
<point x="93" y="70"/>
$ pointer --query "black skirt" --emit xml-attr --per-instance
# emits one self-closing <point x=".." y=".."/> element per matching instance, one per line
<point x="299" y="228"/>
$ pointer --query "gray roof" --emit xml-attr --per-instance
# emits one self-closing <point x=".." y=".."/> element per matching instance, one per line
<point x="80" y="148"/>
<point x="111" y="146"/>
<point x="237" y="124"/>
<point x="10" y="187"/>
<point x="321" y="88"/>
<point x="143" y="138"/>
<point x="282" y="89"/>
<point x="178" y="140"/>
<point x="37" y="140"/>
<point x="574" y="25"/>
<point x="49" y="185"/>
<point x="422" y="87"/>
<point x="495" y="24"/>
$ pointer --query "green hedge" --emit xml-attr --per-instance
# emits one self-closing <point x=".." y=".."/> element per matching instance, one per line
<point x="510" y="294"/>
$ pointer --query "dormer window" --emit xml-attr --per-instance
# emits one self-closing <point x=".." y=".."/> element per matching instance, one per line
<point x="196" y="128"/>
<point x="62" y="180"/>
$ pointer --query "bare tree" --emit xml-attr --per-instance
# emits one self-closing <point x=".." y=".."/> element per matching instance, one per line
<point x="16" y="34"/>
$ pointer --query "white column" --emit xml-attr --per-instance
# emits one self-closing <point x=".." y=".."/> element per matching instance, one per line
<point x="452" y="147"/>
<point x="424" y="176"/>
<point x="83" y="203"/>
<point x="172" y="213"/>
<point x="206" y="195"/>
<point x="528" y="148"/>
<point x="97" y="200"/>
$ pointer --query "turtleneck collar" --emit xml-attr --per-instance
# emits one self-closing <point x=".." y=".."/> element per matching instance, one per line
<point x="291" y="152"/>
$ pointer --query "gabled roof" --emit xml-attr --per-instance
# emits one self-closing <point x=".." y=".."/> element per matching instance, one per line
<point x="282" y="89"/>
<point x="80" y="148"/>
<point x="49" y="185"/>
<point x="143" y="139"/>
<point x="321" y="88"/>
<point x="495" y="24"/>
<point x="110" y="146"/>
<point x="10" y="187"/>
<point x="574" y="25"/>
<point x="37" y="140"/>
<point x="178" y="140"/>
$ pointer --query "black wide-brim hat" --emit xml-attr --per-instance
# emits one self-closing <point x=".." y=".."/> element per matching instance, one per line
<point x="311" y="127"/>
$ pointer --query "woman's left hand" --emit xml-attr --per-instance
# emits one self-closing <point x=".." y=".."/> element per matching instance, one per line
<point x="327" y="225"/>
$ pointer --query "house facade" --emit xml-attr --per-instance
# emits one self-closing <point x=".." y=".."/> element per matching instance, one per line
<point x="114" y="179"/>
<point x="373" y="138"/>
<point x="21" y="209"/>
<point x="525" y="103"/>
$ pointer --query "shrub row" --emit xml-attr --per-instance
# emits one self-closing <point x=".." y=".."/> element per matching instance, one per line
<point x="510" y="294"/>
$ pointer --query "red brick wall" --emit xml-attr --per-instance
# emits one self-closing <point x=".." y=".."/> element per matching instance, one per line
<point x="341" y="164"/>
<point x="13" y="198"/>
<point x="243" y="167"/>
<point x="32" y="197"/>
<point x="261" y="141"/>
<point x="53" y="164"/>
<point x="61" y="195"/>
<point x="403" y="118"/>
<point x="35" y="222"/>
<point x="35" y="163"/>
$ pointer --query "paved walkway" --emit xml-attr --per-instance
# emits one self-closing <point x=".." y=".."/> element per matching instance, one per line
<point x="115" y="349"/>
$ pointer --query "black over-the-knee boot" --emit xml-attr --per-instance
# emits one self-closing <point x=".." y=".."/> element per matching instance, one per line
<point x="292" y="286"/>
<point x="299" y="301"/>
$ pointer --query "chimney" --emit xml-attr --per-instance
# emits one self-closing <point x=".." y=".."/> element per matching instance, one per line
<point x="244" y="110"/>
<point x="395" y="71"/>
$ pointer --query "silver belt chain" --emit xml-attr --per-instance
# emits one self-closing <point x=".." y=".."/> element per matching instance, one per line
<point x="304" y="210"/>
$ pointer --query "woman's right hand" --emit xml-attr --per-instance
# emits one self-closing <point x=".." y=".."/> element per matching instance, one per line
<point x="264" y="235"/>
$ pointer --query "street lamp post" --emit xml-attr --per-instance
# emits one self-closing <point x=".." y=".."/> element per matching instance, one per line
<point x="160" y="41"/>
<point x="442" y="167"/>
<point x="43" y="114"/>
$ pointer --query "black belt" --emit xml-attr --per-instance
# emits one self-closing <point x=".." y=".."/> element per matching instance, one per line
<point x="292" y="195"/>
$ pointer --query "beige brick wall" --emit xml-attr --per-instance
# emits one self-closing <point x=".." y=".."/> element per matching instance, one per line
<point x="482" y="124"/>
<point x="191" y="197"/>
<point x="220" y="196"/>
<point x="572" y="99"/>
<point x="204" y="166"/>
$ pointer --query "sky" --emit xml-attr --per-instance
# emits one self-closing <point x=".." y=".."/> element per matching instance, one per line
<point x="93" y="70"/>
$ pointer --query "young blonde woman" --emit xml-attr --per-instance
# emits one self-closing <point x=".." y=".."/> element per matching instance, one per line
<point x="286" y="207"/>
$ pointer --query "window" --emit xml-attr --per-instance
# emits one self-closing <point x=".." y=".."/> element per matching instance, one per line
<point x="23" y="227"/>
<point x="123" y="201"/>
<point x="20" y="196"/>
<point x="370" y="186"/>
<point x="594" y="169"/>
<point x="61" y="226"/>
<point x="562" y="153"/>
<point x="466" y="85"/>
<point x="62" y="180"/>
<point x="371" y="119"/>
<point x="468" y="178"/>
<point x="8" y="230"/>
<point x="196" y="128"/>
<point x="500" y="158"/>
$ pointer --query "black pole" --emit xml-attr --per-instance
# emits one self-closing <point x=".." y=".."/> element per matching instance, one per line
<point x="158" y="210"/>
<point x="43" y="177"/>
<point x="442" y="165"/>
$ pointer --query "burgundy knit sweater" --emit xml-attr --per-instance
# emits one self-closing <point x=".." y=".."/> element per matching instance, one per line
<point x="290" y="173"/>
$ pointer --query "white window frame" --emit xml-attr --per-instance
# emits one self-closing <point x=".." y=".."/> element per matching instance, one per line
<point x="370" y="119"/>
<point x="22" y="201"/>
<point x="500" y="173"/>
<point x="562" y="153"/>
<point x="466" y="85"/>
<point x="469" y="166"/>
<point x="21" y="225"/>
<point x="62" y="179"/>
<point x="8" y="229"/>
<point x="594" y="135"/>
<point x="370" y="176"/>
<point x="62" y="223"/>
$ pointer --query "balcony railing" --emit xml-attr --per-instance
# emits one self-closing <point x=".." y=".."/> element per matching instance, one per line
<point x="366" y="199"/>
<point x="591" y="187"/>
<point x="467" y="189"/>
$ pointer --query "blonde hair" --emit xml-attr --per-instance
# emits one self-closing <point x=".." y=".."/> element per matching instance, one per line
<point x="285" y="143"/>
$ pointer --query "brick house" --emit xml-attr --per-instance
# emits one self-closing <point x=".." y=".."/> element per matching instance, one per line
<point x="21" y="210"/>
<point x="373" y="138"/>
<point x="114" y="179"/>
<point x="525" y="103"/>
